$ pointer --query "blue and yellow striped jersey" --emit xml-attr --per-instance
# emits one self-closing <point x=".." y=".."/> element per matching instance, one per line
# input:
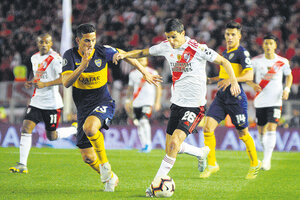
<point x="90" y="89"/>
<point x="239" y="59"/>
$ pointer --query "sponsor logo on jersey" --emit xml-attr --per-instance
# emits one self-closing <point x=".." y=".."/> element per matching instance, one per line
<point x="98" y="62"/>
<point x="89" y="80"/>
<point x="230" y="56"/>
<point x="181" y="67"/>
<point x="178" y="57"/>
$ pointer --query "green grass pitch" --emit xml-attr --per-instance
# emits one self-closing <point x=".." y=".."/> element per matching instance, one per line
<point x="60" y="174"/>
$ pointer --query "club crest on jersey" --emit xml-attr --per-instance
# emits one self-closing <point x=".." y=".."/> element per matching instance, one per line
<point x="230" y="56"/>
<point x="187" y="57"/>
<point x="98" y="62"/>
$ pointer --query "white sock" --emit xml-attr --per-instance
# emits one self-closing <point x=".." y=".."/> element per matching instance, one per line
<point x="142" y="134"/>
<point x="269" y="141"/>
<point x="147" y="128"/>
<point x="166" y="165"/>
<point x="66" y="132"/>
<point x="25" y="145"/>
<point x="190" y="150"/>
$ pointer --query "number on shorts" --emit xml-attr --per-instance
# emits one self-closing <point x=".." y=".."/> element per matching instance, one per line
<point x="240" y="118"/>
<point x="277" y="113"/>
<point x="53" y="119"/>
<point x="189" y="116"/>
<point x="101" y="109"/>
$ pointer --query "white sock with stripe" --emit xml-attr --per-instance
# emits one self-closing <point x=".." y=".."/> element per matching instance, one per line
<point x="147" y="131"/>
<point x="25" y="146"/>
<point x="190" y="150"/>
<point x="269" y="141"/>
<point x="66" y="132"/>
<point x="166" y="165"/>
<point x="142" y="134"/>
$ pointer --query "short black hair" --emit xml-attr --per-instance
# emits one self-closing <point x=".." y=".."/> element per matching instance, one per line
<point x="233" y="24"/>
<point x="174" y="25"/>
<point x="84" y="29"/>
<point x="270" y="36"/>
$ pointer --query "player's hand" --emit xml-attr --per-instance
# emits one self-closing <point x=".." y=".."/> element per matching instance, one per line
<point x="40" y="84"/>
<point x="235" y="89"/>
<point x="28" y="84"/>
<point x="153" y="79"/>
<point x="86" y="57"/>
<point x="223" y="84"/>
<point x="117" y="57"/>
<point x="257" y="88"/>
<point x="285" y="95"/>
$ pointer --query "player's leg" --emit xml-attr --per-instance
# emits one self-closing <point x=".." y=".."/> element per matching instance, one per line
<point x="100" y="118"/>
<point x="146" y="128"/>
<point x="269" y="139"/>
<point x="89" y="156"/>
<point x="25" y="146"/>
<point x="255" y="164"/>
<point x="261" y="116"/>
<point x="140" y="128"/>
<point x="32" y="117"/>
<point x="210" y="124"/>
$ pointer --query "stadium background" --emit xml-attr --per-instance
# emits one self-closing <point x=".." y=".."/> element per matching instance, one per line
<point x="139" y="24"/>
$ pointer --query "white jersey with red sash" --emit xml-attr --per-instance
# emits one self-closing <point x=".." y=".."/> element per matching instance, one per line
<point x="187" y="64"/>
<point x="269" y="74"/>
<point x="46" y="68"/>
<point x="144" y="93"/>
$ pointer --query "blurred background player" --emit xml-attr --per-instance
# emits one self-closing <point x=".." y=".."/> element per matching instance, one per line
<point x="187" y="59"/>
<point x="269" y="69"/>
<point x="142" y="98"/>
<point x="85" y="67"/>
<point x="46" y="102"/>
<point x="225" y="103"/>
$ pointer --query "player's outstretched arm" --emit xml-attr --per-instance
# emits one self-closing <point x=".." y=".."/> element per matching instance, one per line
<point x="255" y="86"/>
<point x="150" y="78"/>
<point x="235" y="88"/>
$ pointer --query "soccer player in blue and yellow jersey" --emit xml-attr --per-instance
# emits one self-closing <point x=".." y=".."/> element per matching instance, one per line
<point x="85" y="68"/>
<point x="224" y="103"/>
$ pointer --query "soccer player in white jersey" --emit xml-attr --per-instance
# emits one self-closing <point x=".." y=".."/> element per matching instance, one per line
<point x="46" y="102"/>
<point x="142" y="98"/>
<point x="269" y="70"/>
<point x="187" y="59"/>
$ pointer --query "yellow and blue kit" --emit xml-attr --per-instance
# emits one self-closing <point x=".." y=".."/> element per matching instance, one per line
<point x="224" y="103"/>
<point x="90" y="92"/>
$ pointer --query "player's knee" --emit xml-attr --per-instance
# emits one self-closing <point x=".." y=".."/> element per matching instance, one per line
<point x="174" y="146"/>
<point x="207" y="129"/>
<point x="51" y="135"/>
<point x="88" y="160"/>
<point x="89" y="130"/>
<point x="26" y="129"/>
<point x="208" y="133"/>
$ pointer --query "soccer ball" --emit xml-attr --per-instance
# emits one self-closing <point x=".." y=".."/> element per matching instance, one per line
<point x="163" y="186"/>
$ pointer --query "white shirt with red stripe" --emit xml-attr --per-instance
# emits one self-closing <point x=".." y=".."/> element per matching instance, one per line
<point x="46" y="68"/>
<point x="144" y="93"/>
<point x="187" y="64"/>
<point x="271" y="95"/>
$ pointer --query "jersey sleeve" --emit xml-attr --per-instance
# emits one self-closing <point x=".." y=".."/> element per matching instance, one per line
<point x="157" y="50"/>
<point x="245" y="59"/>
<point x="207" y="53"/>
<point x="110" y="52"/>
<point x="58" y="64"/>
<point x="67" y="62"/>
<point x="286" y="68"/>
